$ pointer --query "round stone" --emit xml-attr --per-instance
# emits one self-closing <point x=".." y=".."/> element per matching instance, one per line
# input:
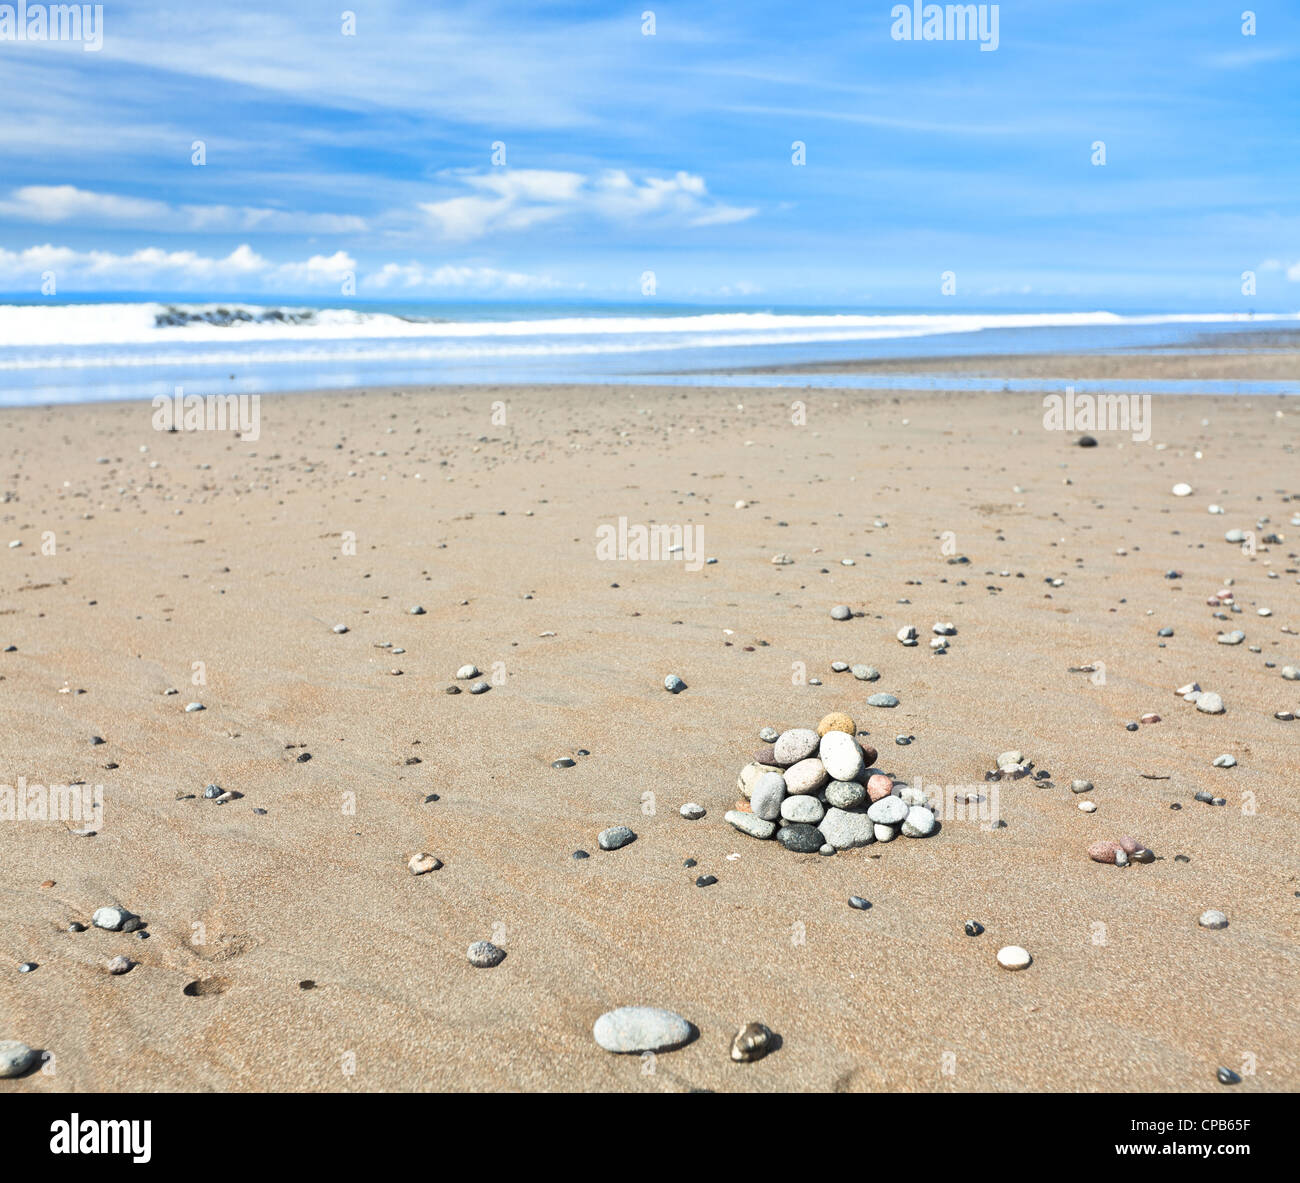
<point x="633" y="1029"/>
<point x="1212" y="918"/>
<point x="837" y="721"/>
<point x="765" y="755"/>
<point x="1291" y="673"/>
<point x="769" y="734"/>
<point x="802" y="808"/>
<point x="885" y="833"/>
<point x="340" y="629"/>
<point x="846" y="829"/>
<point x="673" y="684"/>
<point x="120" y="965"/>
<point x="1011" y="759"/>
<point x="485" y="955"/>
<point x="479" y="688"/>
<point x="1013" y="957"/>
<point x="15" y="1058"/>
<point x="919" y="823"/>
<point x="1088" y="806"/>
<point x="865" y="673"/>
<point x="1081" y="786"/>
<point x="1210" y="703"/>
<point x="769" y="792"/>
<point x="845" y="794"/>
<point x="974" y="928"/>
<point x="840" y="612"/>
<point x="879" y="786"/>
<point x="111" y="918"/>
<point x="422" y="864"/>
<point x="802" y="839"/>
<point x="467" y="671"/>
<point x="840" y="755"/>
<point x="795" y="745"/>
<point x="747" y="823"/>
<point x="1182" y="489"/>
<point x="692" y="812"/>
<point x="805" y="777"/>
<point x="1103" y="852"/>
<point x="882" y="700"/>
<point x="888" y="811"/>
<point x="615" y="837"/>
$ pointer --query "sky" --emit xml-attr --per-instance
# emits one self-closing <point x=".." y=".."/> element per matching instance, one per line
<point x="571" y="151"/>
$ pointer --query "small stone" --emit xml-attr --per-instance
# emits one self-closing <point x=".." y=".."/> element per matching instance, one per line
<point x="417" y="611"/>
<point x="839" y="667"/>
<point x="212" y="792"/>
<point x="1130" y="726"/>
<point x="841" y="612"/>
<point x="120" y="965"/>
<point x="795" y="745"/>
<point x="15" y="1058"/>
<point x="752" y="1042"/>
<point x="112" y="918"/>
<point x="802" y="808"/>
<point x="1223" y="1075"/>
<point x="866" y="673"/>
<point x="885" y="833"/>
<point x="633" y="1029"/>
<point x="615" y="837"/>
<point x="1010" y="759"/>
<point x="1165" y="632"/>
<point x="563" y="762"/>
<point x="1212" y="918"/>
<point x="76" y="926"/>
<point x="840" y="755"/>
<point x="1225" y="761"/>
<point x="479" y="688"/>
<point x="1081" y="786"/>
<point x="485" y="955"/>
<point x="919" y="823"/>
<point x="422" y="864"/>
<point x="806" y="777"/>
<point x="907" y="635"/>
<point x="453" y="690"/>
<point x="1104" y="852"/>
<point x="191" y="707"/>
<point x="27" y="967"/>
<point x="580" y="854"/>
<point x="1151" y="718"/>
<point x="802" y="839"/>
<point x="673" y="684"/>
<point x="706" y="880"/>
<point x="1088" y="806"/>
<point x="1086" y="441"/>
<point x="747" y="823"/>
<point x="888" y="811"/>
<point x="845" y="794"/>
<point x="1210" y="703"/>
<point x="973" y="928"/>
<point x="692" y="812"/>
<point x="340" y="629"/>
<point x="836" y="721"/>
<point x="466" y="672"/>
<point x="882" y="700"/>
<point x="1291" y="673"/>
<point x="846" y="829"/>
<point x="769" y="734"/>
<point x="768" y="793"/>
<point x="879" y="786"/>
<point x="856" y="901"/>
<point x="1013" y="957"/>
<point x="1182" y="489"/>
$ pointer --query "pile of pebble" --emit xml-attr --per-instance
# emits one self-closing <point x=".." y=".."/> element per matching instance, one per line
<point x="818" y="791"/>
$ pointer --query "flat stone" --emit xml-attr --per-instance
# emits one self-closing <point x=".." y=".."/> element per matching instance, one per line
<point x="845" y="830"/>
<point x="615" y="837"/>
<point x="845" y="794"/>
<point x="422" y="864"/>
<point x="769" y="792"/>
<point x="805" y="777"/>
<point x="882" y="700"/>
<point x="795" y="745"/>
<point x="919" y="823"/>
<point x="692" y="812"/>
<point x="633" y="1029"/>
<point x="802" y="839"/>
<point x="1210" y="703"/>
<point x="1212" y="918"/>
<point x="802" y="808"/>
<point x="889" y="811"/>
<point x="485" y="955"/>
<point x="1010" y="759"/>
<point x="865" y="673"/>
<point x="15" y="1058"/>
<point x="1081" y="786"/>
<point x="1225" y="761"/>
<point x="1013" y="957"/>
<point x="747" y="823"/>
<point x="840" y="755"/>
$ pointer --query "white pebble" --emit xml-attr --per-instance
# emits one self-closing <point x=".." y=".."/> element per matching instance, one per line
<point x="1013" y="957"/>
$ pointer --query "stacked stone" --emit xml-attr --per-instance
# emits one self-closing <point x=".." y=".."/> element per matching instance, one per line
<point x="819" y="790"/>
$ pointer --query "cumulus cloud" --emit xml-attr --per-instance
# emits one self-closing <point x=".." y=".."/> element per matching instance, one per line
<point x="518" y="199"/>
<point x="450" y="275"/>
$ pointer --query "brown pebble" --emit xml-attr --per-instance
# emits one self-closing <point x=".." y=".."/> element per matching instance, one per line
<point x="48" y="883"/>
<point x="837" y="721"/>
<point x="422" y="864"/>
<point x="1151" y="718"/>
<point x="1103" y="852"/>
<point x="752" y="1042"/>
<point x="742" y="806"/>
<point x="765" y="755"/>
<point x="879" y="786"/>
<point x="1130" y="845"/>
<point x="120" y="965"/>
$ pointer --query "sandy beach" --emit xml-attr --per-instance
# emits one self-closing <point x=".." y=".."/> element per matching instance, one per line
<point x="216" y="567"/>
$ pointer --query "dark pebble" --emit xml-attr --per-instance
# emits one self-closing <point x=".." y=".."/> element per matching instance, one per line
<point x="706" y="881"/>
<point x="27" y="967"/>
<point x="453" y="689"/>
<point x="306" y="984"/>
<point x="213" y="791"/>
<point x="260" y="812"/>
<point x="856" y="901"/>
<point x="581" y="854"/>
<point x="1130" y="726"/>
<point x="96" y="740"/>
<point x="583" y="752"/>
<point x="1087" y="441"/>
<point x="801" y="838"/>
<point x="303" y="757"/>
<point x="76" y="926"/>
<point x="563" y="762"/>
<point x="1175" y="805"/>
<point x="1206" y="797"/>
<point x="1181" y="858"/>
<point x="974" y="928"/>
<point x="903" y="740"/>
<point x="1227" y="1076"/>
<point x="690" y="862"/>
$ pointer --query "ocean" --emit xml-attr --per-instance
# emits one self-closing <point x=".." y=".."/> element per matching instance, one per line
<point x="88" y="351"/>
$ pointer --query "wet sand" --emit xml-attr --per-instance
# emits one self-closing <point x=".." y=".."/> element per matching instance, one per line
<point x="233" y="554"/>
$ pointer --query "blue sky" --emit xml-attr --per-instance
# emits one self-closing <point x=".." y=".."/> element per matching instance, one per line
<point x="371" y="155"/>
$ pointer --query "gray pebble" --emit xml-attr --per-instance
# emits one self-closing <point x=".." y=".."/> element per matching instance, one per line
<point x="485" y="955"/>
<point x="885" y="833"/>
<point x="797" y="744"/>
<point x="213" y="791"/>
<point x="888" y="811"/>
<point x="615" y="837"/>
<point x="839" y="666"/>
<point x="866" y="673"/>
<point x="840" y="612"/>
<point x="1210" y="703"/>
<point x="112" y="918"/>
<point x="15" y="1058"/>
<point x="801" y="839"/>
<point x="1225" y="761"/>
<point x="765" y="800"/>
<point x="919" y="823"/>
<point x="882" y="700"/>
<point x="802" y="808"/>
<point x="120" y="965"/>
<point x="769" y="734"/>
<point x="467" y="671"/>
<point x="1081" y="786"/>
<point x="632" y="1029"/>
<point x="479" y="688"/>
<point x="845" y="794"/>
<point x="1212" y="918"/>
<point x="27" y="967"/>
<point x="692" y="812"/>
<point x="856" y="901"/>
<point x="747" y="823"/>
<point x="846" y="830"/>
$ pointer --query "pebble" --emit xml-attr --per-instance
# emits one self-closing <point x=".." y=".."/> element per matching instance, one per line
<point x="485" y="955"/>
<point x="340" y="629"/>
<point x="752" y="1042"/>
<point x="453" y="690"/>
<point x="856" y="901"/>
<point x="1081" y="786"/>
<point x="15" y="1058"/>
<point x="836" y="721"/>
<point x="563" y="762"/>
<point x="1151" y="718"/>
<point x="615" y="837"/>
<point x="845" y="794"/>
<point x="1104" y="852"/>
<point x="1212" y="918"/>
<point x="191" y="707"/>
<point x="580" y="854"/>
<point x="840" y="755"/>
<point x="479" y="688"/>
<point x="468" y="671"/>
<point x="1182" y="489"/>
<point x="422" y="864"/>
<point x="839" y="667"/>
<point x="673" y="684"/>
<point x="879" y="786"/>
<point x="919" y="823"/>
<point x="888" y="811"/>
<point x="1225" y="761"/>
<point x="27" y="967"/>
<point x="841" y="612"/>
<point x="1227" y="1076"/>
<point x="1165" y="632"/>
<point x="769" y="792"/>
<point x="882" y="700"/>
<point x="749" y="775"/>
<point x="76" y="926"/>
<point x="885" y="833"/>
<point x="417" y="611"/>
<point x="973" y="928"/>
<point x="706" y="880"/>
<point x="1087" y="441"/>
<point x="802" y="808"/>
<point x="907" y="635"/>
<point x="1210" y="703"/>
<point x="120" y="965"/>
<point x="942" y="629"/>
<point x="1013" y="957"/>
<point x="692" y="812"/>
<point x="866" y="673"/>
<point x="1291" y="673"/>
<point x="769" y="734"/>
<point x="845" y="829"/>
<point x="1233" y="638"/>
<point x="802" y="839"/>
<point x="797" y="744"/>
<point x="765" y="755"/>
<point x="747" y="823"/>
<point x="633" y="1029"/>
<point x="1010" y="759"/>
<point x="1088" y="806"/>
<point x="113" y="918"/>
<point x="805" y="777"/>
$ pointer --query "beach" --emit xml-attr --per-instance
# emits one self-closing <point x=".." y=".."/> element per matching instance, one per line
<point x="219" y="568"/>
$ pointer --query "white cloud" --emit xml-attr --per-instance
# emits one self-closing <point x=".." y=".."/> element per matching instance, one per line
<point x="1293" y="272"/>
<point x="519" y="199"/>
<point x="450" y="275"/>
<point x="66" y="203"/>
